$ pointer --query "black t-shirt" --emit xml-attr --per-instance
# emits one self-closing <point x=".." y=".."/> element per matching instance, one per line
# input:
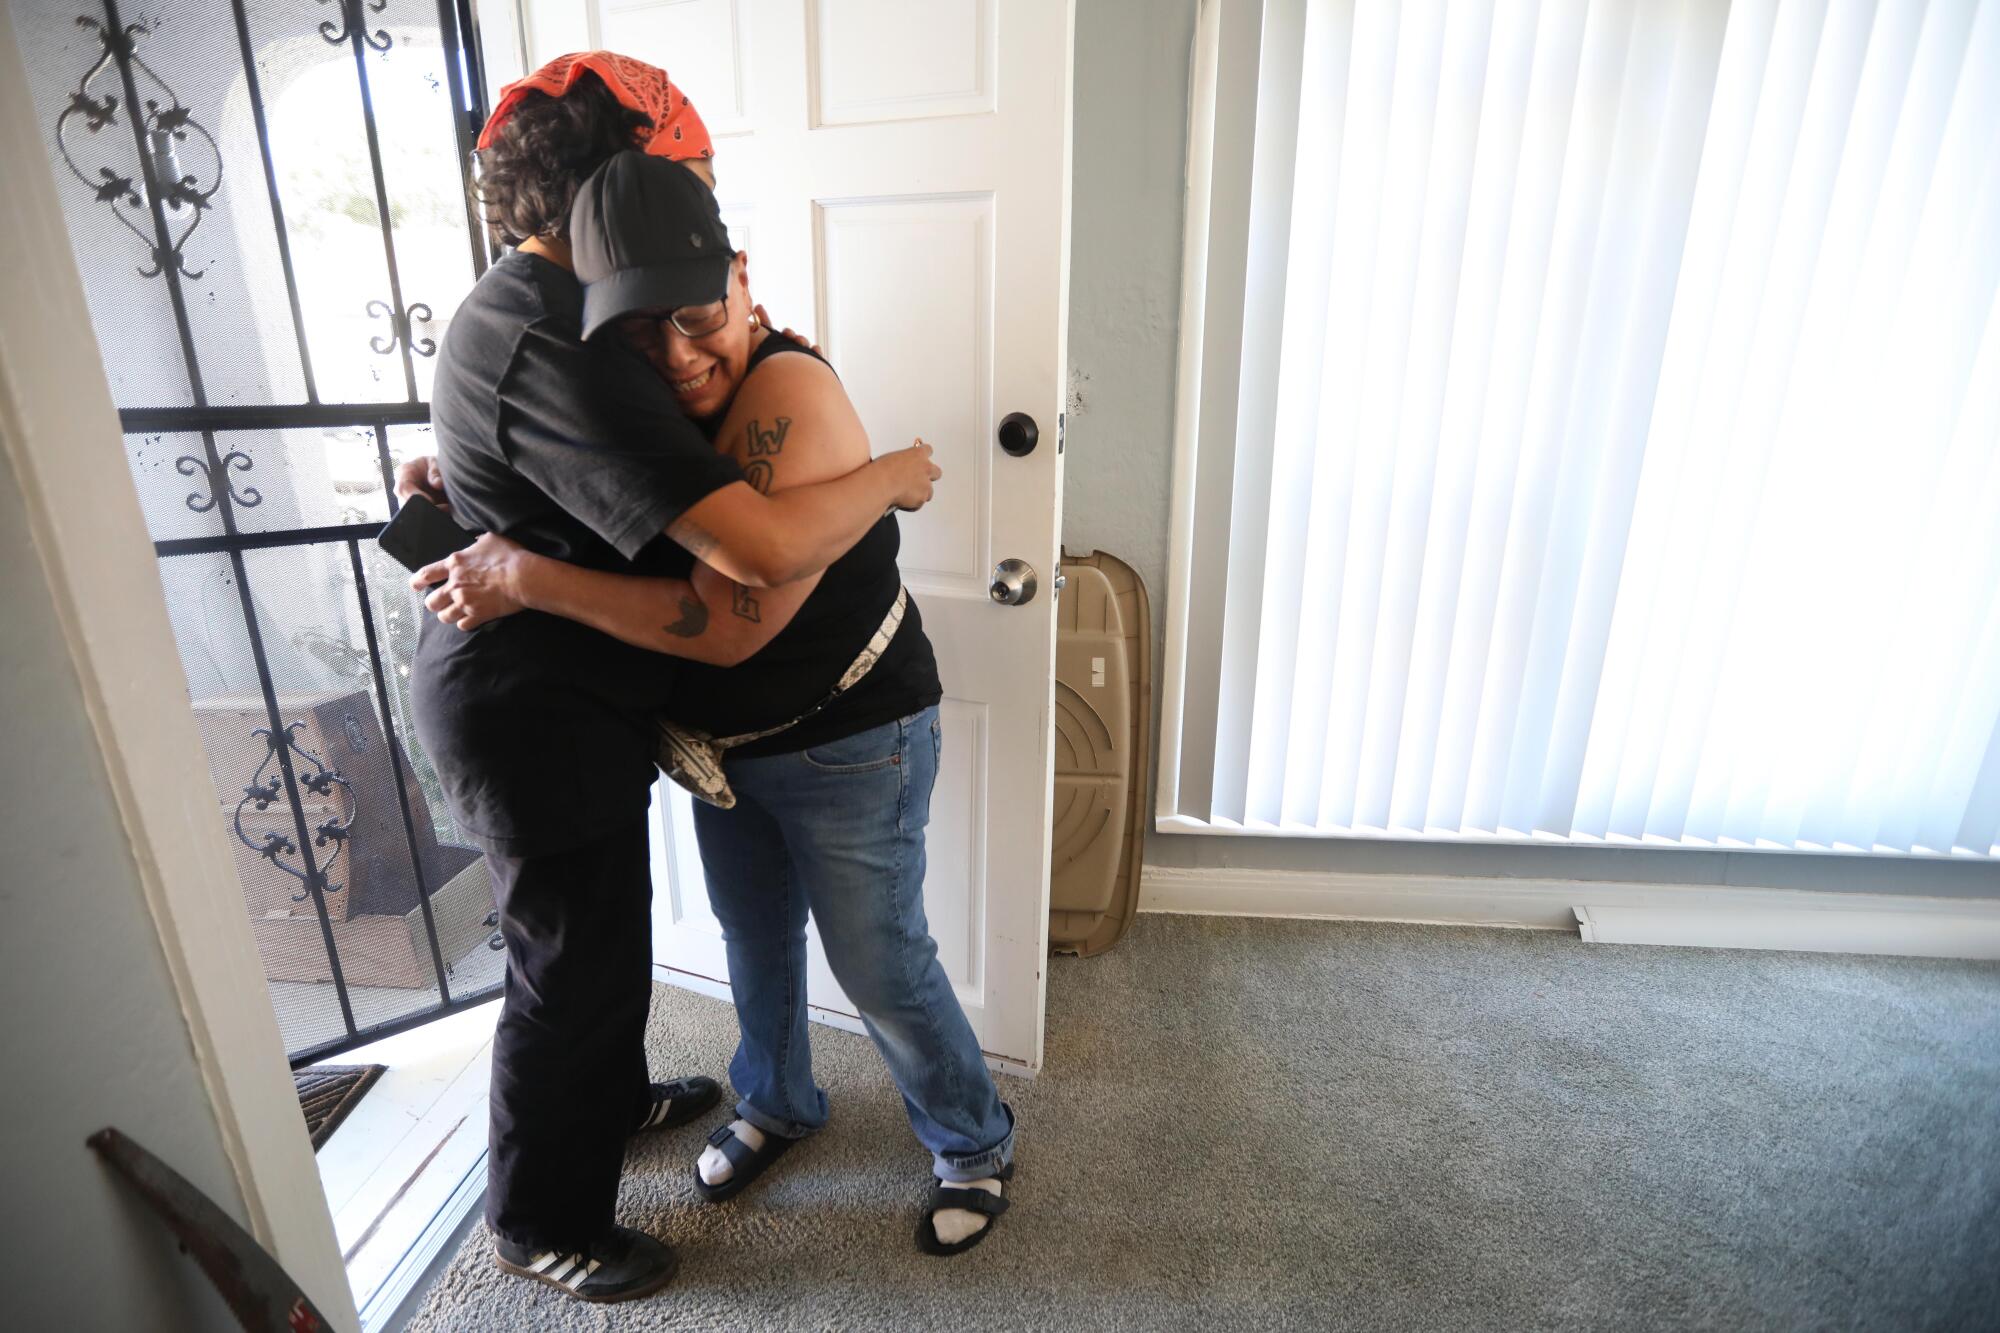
<point x="539" y="726"/>
<point x="801" y="663"/>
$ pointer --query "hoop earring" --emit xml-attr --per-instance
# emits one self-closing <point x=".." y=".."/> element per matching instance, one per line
<point x="754" y="324"/>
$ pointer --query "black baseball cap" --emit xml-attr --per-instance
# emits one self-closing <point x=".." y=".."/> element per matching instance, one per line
<point x="645" y="234"/>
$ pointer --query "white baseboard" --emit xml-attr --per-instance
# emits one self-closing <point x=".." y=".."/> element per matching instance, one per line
<point x="1915" y="928"/>
<point x="1708" y="916"/>
<point x="1432" y="900"/>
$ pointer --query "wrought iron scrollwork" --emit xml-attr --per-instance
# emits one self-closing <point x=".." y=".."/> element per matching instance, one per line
<point x="352" y="20"/>
<point x="189" y="465"/>
<point x="401" y="328"/>
<point x="166" y="127"/>
<point x="261" y="793"/>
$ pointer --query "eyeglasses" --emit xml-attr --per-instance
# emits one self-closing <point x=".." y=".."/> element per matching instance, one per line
<point x="692" y="321"/>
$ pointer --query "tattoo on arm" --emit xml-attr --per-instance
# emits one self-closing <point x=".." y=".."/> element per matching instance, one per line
<point x="745" y="606"/>
<point x="758" y="473"/>
<point x="759" y="442"/>
<point x="694" y="619"/>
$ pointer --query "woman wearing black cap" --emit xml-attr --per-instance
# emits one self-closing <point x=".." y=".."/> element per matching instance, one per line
<point x="830" y="733"/>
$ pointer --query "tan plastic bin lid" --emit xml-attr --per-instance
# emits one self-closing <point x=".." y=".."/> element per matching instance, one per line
<point x="1104" y="732"/>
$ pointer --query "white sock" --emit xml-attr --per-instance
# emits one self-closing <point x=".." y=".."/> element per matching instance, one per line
<point x="714" y="1167"/>
<point x="955" y="1224"/>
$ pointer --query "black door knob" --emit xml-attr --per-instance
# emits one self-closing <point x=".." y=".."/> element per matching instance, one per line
<point x="1018" y="434"/>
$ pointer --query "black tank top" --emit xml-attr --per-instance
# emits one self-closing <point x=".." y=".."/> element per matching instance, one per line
<point x="797" y="668"/>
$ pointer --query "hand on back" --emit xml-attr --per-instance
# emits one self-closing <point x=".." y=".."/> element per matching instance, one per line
<point x="420" y="476"/>
<point x="764" y="318"/>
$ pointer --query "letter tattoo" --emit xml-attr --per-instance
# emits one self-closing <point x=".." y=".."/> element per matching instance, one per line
<point x="760" y="442"/>
<point x="745" y="606"/>
<point x="758" y="473"/>
<point x="694" y="619"/>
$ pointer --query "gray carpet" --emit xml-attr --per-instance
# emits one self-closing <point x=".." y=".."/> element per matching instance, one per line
<point x="1286" y="1124"/>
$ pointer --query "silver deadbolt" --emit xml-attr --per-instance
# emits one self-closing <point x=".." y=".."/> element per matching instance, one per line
<point x="1013" y="582"/>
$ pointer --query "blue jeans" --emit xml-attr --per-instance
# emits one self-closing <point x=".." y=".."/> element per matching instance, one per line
<point x="839" y="830"/>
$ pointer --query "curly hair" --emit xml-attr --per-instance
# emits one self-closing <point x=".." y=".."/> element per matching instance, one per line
<point x="530" y="173"/>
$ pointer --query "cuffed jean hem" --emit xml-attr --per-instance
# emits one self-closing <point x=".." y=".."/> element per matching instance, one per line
<point x="784" y="1129"/>
<point x="961" y="1167"/>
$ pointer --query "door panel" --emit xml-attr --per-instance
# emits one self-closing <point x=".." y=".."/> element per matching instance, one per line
<point x="680" y="898"/>
<point x="898" y="174"/>
<point x="930" y="376"/>
<point x="876" y="62"/>
<point x="955" y="846"/>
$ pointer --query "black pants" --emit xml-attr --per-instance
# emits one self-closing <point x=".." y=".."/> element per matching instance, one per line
<point x="569" y="1059"/>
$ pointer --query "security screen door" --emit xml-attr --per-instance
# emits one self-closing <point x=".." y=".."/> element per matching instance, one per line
<point x="266" y="201"/>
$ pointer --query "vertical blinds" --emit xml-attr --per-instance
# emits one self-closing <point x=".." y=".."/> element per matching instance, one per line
<point x="1615" y="449"/>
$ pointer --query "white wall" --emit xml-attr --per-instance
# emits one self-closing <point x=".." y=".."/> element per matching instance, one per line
<point x="119" y="910"/>
<point x="1129" y="164"/>
<point x="94" y="1034"/>
<point x="1130" y="154"/>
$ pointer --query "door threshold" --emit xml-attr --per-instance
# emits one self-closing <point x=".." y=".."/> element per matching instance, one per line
<point x="395" y="1298"/>
<point x="403" y="1170"/>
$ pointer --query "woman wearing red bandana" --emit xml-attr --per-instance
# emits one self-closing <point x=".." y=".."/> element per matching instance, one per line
<point x="542" y="728"/>
<point x="672" y="128"/>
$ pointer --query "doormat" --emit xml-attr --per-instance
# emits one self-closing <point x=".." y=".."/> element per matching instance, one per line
<point x="328" y="1092"/>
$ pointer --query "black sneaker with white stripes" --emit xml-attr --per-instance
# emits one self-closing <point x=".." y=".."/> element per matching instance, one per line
<point x="623" y="1266"/>
<point x="678" y="1102"/>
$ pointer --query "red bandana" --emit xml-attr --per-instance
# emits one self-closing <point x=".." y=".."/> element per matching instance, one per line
<point x="677" y="131"/>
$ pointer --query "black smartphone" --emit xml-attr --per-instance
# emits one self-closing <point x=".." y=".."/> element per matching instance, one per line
<point x="421" y="533"/>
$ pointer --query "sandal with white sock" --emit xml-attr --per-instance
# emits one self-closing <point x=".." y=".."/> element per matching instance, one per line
<point x="946" y="1195"/>
<point x="745" y="1162"/>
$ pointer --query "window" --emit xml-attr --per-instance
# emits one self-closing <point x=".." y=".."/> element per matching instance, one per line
<point x="1590" y="426"/>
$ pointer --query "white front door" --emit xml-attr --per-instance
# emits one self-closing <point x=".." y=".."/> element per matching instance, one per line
<point x="898" y="171"/>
